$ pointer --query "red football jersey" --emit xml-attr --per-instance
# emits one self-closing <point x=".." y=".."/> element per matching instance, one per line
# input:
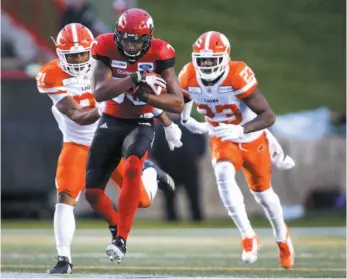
<point x="159" y="57"/>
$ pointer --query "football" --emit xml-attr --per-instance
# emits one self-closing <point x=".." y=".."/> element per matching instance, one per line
<point x="148" y="89"/>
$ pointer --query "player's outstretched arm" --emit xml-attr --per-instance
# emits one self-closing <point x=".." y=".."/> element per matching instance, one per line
<point x="170" y="102"/>
<point x="76" y="113"/>
<point x="265" y="116"/>
<point x="173" y="133"/>
<point x="104" y="87"/>
<point x="164" y="120"/>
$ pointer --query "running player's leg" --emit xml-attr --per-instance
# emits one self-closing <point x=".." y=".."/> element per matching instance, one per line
<point x="227" y="159"/>
<point x="70" y="181"/>
<point x="149" y="184"/>
<point x="135" y="150"/>
<point x="153" y="177"/>
<point x="257" y="170"/>
<point x="104" y="156"/>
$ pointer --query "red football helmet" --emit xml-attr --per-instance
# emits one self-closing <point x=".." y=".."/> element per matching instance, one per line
<point x="211" y="54"/>
<point x="74" y="44"/>
<point x="133" y="33"/>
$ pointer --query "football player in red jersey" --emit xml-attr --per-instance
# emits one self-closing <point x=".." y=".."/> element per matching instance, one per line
<point x="66" y="80"/>
<point x="124" y="62"/>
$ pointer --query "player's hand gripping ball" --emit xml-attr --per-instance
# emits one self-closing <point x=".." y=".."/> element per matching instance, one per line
<point x="152" y="80"/>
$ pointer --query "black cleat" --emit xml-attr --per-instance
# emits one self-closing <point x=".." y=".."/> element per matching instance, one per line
<point x="165" y="181"/>
<point x="63" y="266"/>
<point x="117" y="250"/>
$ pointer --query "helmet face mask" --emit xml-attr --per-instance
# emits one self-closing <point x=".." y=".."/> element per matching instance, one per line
<point x="210" y="55"/>
<point x="75" y="63"/>
<point x="74" y="43"/>
<point x="133" y="34"/>
<point x="210" y="66"/>
<point x="131" y="44"/>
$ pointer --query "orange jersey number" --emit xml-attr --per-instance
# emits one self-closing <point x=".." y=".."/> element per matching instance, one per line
<point x="86" y="100"/>
<point x="219" y="109"/>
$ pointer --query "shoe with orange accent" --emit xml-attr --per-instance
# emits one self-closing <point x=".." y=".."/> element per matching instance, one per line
<point x="250" y="249"/>
<point x="286" y="252"/>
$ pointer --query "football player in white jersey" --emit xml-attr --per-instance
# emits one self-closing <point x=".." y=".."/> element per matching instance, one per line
<point x="237" y="115"/>
<point x="66" y="81"/>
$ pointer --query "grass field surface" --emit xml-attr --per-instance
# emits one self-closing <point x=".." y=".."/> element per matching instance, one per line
<point x="175" y="253"/>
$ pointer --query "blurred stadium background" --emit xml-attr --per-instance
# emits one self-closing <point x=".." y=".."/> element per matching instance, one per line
<point x="296" y="48"/>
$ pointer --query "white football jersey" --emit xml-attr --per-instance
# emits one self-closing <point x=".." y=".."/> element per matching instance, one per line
<point x="223" y="102"/>
<point x="52" y="80"/>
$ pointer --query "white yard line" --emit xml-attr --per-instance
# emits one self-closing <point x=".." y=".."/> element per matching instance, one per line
<point x="176" y="256"/>
<point x="202" y="232"/>
<point x="128" y="276"/>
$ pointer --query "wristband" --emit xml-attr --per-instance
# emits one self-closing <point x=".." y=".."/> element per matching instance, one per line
<point x="136" y="78"/>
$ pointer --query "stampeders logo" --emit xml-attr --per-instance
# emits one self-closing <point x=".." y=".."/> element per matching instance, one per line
<point x="122" y="72"/>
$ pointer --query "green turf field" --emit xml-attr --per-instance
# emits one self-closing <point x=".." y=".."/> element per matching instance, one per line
<point x="320" y="253"/>
<point x="311" y="219"/>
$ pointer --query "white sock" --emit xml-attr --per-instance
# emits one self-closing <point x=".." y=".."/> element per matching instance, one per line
<point x="64" y="228"/>
<point x="232" y="197"/>
<point x="149" y="180"/>
<point x="271" y="204"/>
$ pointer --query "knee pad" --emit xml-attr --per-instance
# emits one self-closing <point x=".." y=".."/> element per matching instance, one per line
<point x="224" y="171"/>
<point x="227" y="186"/>
<point x="266" y="197"/>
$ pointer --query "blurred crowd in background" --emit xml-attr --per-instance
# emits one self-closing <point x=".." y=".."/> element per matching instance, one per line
<point x="25" y="48"/>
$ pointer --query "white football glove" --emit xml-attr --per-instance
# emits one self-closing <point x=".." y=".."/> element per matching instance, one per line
<point x="173" y="136"/>
<point x="284" y="162"/>
<point x="100" y="107"/>
<point x="194" y="126"/>
<point x="278" y="158"/>
<point x="227" y="132"/>
<point x="154" y="82"/>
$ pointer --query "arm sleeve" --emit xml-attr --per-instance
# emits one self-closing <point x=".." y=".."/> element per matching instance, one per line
<point x="183" y="80"/>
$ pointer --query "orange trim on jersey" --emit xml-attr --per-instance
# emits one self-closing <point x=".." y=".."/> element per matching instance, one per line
<point x="52" y="91"/>
<point x="59" y="92"/>
<point x="245" y="95"/>
<point x="246" y="90"/>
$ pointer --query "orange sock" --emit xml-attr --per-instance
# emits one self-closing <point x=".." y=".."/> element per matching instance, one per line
<point x="102" y="204"/>
<point x="130" y="194"/>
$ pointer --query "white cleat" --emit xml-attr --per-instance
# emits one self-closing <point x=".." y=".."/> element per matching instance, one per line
<point x="250" y="249"/>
